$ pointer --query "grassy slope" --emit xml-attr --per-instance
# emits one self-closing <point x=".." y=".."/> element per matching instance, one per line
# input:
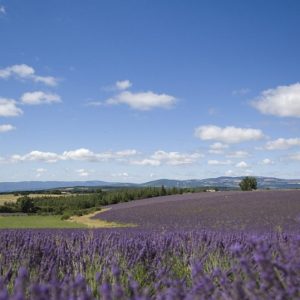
<point x="37" y="222"/>
<point x="97" y="223"/>
<point x="13" y="198"/>
<point x="8" y="198"/>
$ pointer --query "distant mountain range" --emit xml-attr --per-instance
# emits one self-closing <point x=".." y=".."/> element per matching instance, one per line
<point x="227" y="182"/>
<point x="220" y="182"/>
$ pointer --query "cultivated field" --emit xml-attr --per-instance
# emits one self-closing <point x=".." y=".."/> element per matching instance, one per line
<point x="13" y="198"/>
<point x="37" y="222"/>
<point x="131" y="264"/>
<point x="222" y="211"/>
<point x="227" y="245"/>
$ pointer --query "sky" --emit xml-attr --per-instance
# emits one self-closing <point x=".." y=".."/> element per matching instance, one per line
<point x="137" y="90"/>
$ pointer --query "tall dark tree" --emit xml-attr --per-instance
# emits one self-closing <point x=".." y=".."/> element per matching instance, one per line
<point x="27" y="205"/>
<point x="248" y="184"/>
<point x="163" y="191"/>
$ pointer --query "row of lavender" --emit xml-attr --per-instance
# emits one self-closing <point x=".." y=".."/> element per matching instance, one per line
<point x="128" y="264"/>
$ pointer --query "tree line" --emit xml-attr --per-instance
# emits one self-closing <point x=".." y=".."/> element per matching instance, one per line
<point x="79" y="204"/>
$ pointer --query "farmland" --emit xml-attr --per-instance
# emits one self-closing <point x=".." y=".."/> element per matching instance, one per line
<point x="223" y="245"/>
<point x="132" y="264"/>
<point x="37" y="222"/>
<point x="14" y="197"/>
<point x="226" y="211"/>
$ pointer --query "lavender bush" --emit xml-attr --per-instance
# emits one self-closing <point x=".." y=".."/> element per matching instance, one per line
<point x="148" y="264"/>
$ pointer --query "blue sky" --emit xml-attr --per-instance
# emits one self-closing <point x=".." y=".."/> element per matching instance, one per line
<point x="140" y="90"/>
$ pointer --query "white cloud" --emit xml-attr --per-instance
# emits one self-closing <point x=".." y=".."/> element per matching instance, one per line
<point x="2" y="10"/>
<point x="267" y="161"/>
<point x="282" y="144"/>
<point x="82" y="172"/>
<point x="228" y="134"/>
<point x="143" y="100"/>
<point x="6" y="128"/>
<point x="282" y="101"/>
<point x="240" y="172"/>
<point x="49" y="157"/>
<point x="85" y="154"/>
<point x="157" y="158"/>
<point x="238" y="154"/>
<point x="24" y="71"/>
<point x="217" y="148"/>
<point x="39" y="97"/>
<point x="229" y="173"/>
<point x="81" y="154"/>
<point x="295" y="156"/>
<point x="125" y="153"/>
<point x="219" y="162"/>
<point x="175" y="158"/>
<point x="47" y="80"/>
<point x="40" y="172"/>
<point x="170" y="158"/>
<point x="241" y="164"/>
<point x="122" y="175"/>
<point x="146" y="162"/>
<point x="8" y="108"/>
<point x="123" y="84"/>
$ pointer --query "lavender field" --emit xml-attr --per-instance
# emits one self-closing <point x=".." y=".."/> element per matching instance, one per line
<point x="260" y="211"/>
<point x="79" y="264"/>
<point x="193" y="261"/>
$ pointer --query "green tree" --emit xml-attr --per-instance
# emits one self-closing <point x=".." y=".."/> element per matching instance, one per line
<point x="163" y="191"/>
<point x="27" y="205"/>
<point x="248" y="184"/>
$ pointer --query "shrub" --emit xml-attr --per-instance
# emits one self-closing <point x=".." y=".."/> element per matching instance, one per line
<point x="248" y="184"/>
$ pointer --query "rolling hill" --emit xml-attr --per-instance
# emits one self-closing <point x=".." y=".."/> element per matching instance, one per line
<point x="220" y="182"/>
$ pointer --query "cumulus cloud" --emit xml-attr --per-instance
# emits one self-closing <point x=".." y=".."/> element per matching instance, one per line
<point x="6" y="128"/>
<point x="295" y="156"/>
<point x="146" y="162"/>
<point x="219" y="162"/>
<point x="122" y="175"/>
<point x="86" y="154"/>
<point x="282" y="101"/>
<point x="282" y="144"/>
<point x="81" y="154"/>
<point x="228" y="134"/>
<point x="49" y="157"/>
<point x="229" y="173"/>
<point x="8" y="108"/>
<point x="39" y="97"/>
<point x="217" y="148"/>
<point x="241" y="164"/>
<point x="240" y="172"/>
<point x="237" y="154"/>
<point x="267" y="161"/>
<point x="83" y="172"/>
<point x="175" y="158"/>
<point x="40" y="172"/>
<point x="24" y="71"/>
<point x="123" y="85"/>
<point x="170" y="158"/>
<point x="143" y="100"/>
